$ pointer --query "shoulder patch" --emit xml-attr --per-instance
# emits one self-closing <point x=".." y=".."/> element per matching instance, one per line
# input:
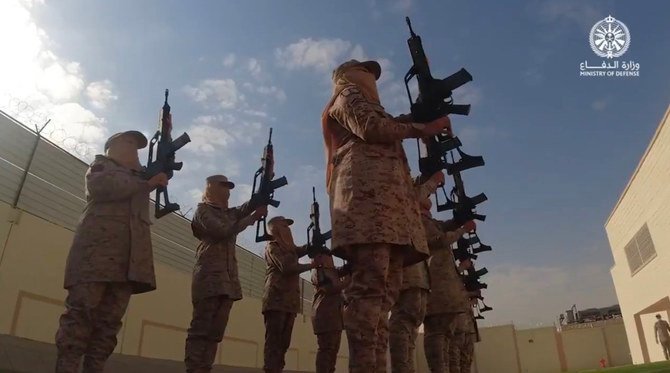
<point x="97" y="168"/>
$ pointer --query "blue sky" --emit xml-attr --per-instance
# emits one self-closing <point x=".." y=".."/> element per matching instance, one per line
<point x="559" y="148"/>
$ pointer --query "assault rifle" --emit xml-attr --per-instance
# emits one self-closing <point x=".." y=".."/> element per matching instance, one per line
<point x="435" y="101"/>
<point x="164" y="160"/>
<point x="316" y="240"/>
<point x="266" y="187"/>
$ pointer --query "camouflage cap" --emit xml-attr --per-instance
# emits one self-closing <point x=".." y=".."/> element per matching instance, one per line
<point x="141" y="139"/>
<point x="220" y="179"/>
<point x="371" y="66"/>
<point x="277" y="219"/>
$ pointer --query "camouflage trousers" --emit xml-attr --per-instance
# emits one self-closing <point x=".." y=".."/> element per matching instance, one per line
<point x="326" y="355"/>
<point x="210" y="317"/>
<point x="462" y="348"/>
<point x="406" y="316"/>
<point x="439" y="342"/>
<point x="89" y="325"/>
<point x="278" y="330"/>
<point x="375" y="285"/>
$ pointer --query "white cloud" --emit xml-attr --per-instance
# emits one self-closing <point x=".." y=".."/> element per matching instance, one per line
<point x="467" y="94"/>
<point x="100" y="93"/>
<point x="196" y="195"/>
<point x="37" y="84"/>
<point x="229" y="60"/>
<point x="254" y="68"/>
<point x="211" y="134"/>
<point x="256" y="113"/>
<point x="277" y="92"/>
<point x="222" y="93"/>
<point x="321" y="55"/>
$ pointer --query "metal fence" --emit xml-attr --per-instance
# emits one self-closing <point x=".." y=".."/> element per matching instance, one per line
<point x="54" y="191"/>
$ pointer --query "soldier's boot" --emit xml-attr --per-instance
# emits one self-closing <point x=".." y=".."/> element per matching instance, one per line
<point x="361" y="317"/>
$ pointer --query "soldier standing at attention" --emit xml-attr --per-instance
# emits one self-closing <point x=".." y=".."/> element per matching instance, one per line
<point x="110" y="258"/>
<point x="327" y="308"/>
<point x="662" y="333"/>
<point x="374" y="215"/>
<point x="215" y="284"/>
<point x="281" y="298"/>
<point x="447" y="297"/>
<point x="408" y="312"/>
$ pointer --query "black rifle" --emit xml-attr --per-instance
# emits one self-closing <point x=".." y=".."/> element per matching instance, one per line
<point x="316" y="240"/>
<point x="165" y="158"/>
<point x="435" y="101"/>
<point x="266" y="187"/>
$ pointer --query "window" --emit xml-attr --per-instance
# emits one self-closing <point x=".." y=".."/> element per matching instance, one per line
<point x="640" y="250"/>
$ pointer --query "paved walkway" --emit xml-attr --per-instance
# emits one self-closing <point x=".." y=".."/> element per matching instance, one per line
<point x="19" y="355"/>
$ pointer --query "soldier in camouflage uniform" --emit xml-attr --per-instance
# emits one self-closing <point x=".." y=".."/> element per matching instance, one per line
<point x="281" y="298"/>
<point x="216" y="284"/>
<point x="374" y="215"/>
<point x="110" y="258"/>
<point x="447" y="293"/>
<point x="462" y="349"/>
<point x="408" y="312"/>
<point x="327" y="307"/>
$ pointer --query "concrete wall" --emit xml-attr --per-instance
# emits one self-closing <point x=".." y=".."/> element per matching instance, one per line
<point x="546" y="350"/>
<point x="31" y="277"/>
<point x="646" y="199"/>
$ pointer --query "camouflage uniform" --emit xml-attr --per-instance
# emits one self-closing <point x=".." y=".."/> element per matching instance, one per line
<point x="461" y="351"/>
<point x="408" y="312"/>
<point x="216" y="284"/>
<point x="327" y="307"/>
<point x="375" y="219"/>
<point x="110" y="259"/>
<point x="447" y="294"/>
<point x="281" y="301"/>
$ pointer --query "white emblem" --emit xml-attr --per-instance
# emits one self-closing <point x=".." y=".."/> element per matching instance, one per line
<point x="609" y="38"/>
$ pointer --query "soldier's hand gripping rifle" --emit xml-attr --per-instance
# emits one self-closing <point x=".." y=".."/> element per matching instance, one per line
<point x="267" y="185"/>
<point x="435" y="101"/>
<point x="164" y="161"/>
<point x="316" y="240"/>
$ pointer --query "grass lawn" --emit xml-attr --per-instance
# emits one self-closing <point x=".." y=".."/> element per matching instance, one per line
<point x="660" y="367"/>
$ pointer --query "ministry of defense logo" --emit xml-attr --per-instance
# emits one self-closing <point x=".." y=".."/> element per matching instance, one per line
<point x="609" y="38"/>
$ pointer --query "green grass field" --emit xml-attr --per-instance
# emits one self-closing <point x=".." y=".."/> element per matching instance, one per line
<point x="660" y="367"/>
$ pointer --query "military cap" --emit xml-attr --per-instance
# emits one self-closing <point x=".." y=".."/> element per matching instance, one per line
<point x="141" y="139"/>
<point x="220" y="179"/>
<point x="371" y="66"/>
<point x="277" y="219"/>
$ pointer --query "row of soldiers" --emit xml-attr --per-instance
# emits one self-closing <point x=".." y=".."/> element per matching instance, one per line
<point x="381" y="225"/>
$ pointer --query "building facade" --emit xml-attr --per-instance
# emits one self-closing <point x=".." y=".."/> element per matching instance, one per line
<point x="638" y="230"/>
